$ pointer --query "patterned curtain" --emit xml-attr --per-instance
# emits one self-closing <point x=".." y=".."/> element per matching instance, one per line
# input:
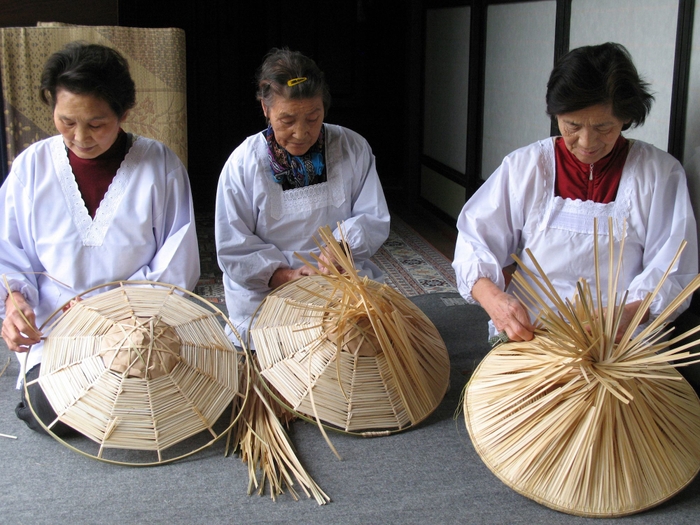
<point x="156" y="60"/>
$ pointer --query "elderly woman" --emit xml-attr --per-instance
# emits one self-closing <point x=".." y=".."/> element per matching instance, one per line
<point x="544" y="197"/>
<point x="89" y="206"/>
<point x="282" y="184"/>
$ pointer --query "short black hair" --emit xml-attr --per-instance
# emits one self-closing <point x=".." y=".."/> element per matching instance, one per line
<point x="89" y="69"/>
<point x="600" y="74"/>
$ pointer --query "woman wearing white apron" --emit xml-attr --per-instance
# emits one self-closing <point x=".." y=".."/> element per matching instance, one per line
<point x="544" y="197"/>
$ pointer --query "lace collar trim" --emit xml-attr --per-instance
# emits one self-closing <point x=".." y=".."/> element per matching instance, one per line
<point x="93" y="231"/>
<point x="577" y="215"/>
<point x="309" y="198"/>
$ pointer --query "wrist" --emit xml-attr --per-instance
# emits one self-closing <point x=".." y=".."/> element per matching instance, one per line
<point x="484" y="291"/>
<point x="279" y="277"/>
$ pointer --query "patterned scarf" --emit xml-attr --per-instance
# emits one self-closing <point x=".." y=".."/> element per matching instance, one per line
<point x="296" y="172"/>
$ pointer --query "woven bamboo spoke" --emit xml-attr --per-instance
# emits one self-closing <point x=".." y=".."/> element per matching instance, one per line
<point x="293" y="376"/>
<point x="371" y="374"/>
<point x="143" y="366"/>
<point x="68" y="386"/>
<point x="581" y="423"/>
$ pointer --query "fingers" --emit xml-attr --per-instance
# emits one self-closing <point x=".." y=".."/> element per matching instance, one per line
<point x="519" y="332"/>
<point x="71" y="303"/>
<point x="20" y="336"/>
<point x="325" y="264"/>
<point x="511" y="317"/>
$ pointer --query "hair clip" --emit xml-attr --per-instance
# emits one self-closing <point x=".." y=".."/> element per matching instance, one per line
<point x="294" y="81"/>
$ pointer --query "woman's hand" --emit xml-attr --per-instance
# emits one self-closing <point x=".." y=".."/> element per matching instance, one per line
<point x="505" y="311"/>
<point x="325" y="263"/>
<point x="283" y="275"/>
<point x="19" y="327"/>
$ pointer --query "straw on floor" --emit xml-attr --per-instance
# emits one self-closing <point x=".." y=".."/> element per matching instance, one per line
<point x="583" y="424"/>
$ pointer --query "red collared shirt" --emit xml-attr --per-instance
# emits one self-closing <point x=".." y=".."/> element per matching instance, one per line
<point x="596" y="182"/>
<point x="95" y="175"/>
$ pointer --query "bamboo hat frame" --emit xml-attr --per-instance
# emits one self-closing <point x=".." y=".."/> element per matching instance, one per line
<point x="583" y="424"/>
<point x="144" y="366"/>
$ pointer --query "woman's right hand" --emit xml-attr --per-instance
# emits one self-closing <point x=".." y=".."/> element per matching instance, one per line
<point x="19" y="326"/>
<point x="506" y="312"/>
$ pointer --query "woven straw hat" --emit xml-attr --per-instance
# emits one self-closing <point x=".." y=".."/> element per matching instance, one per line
<point x="350" y="352"/>
<point x="580" y="423"/>
<point x="143" y="366"/>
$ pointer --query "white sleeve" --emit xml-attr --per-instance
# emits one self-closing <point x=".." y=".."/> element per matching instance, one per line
<point x="176" y="260"/>
<point x="17" y="254"/>
<point x="243" y="256"/>
<point x="670" y="220"/>
<point x="368" y="226"/>
<point x="489" y="228"/>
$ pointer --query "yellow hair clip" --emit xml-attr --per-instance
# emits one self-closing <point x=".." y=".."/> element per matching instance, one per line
<point x="294" y="81"/>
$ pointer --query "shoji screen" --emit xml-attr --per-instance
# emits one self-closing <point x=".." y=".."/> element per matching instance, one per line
<point x="692" y="130"/>
<point x="519" y="58"/>
<point x="445" y="104"/>
<point x="647" y="28"/>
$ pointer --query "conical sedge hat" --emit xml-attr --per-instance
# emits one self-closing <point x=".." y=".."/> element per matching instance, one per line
<point x="143" y="366"/>
<point x="350" y="352"/>
<point x="580" y="423"/>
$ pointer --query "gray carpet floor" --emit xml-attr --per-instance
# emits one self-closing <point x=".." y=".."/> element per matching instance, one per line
<point x="430" y="474"/>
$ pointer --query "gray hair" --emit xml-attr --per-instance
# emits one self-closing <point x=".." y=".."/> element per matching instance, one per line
<point x="291" y="75"/>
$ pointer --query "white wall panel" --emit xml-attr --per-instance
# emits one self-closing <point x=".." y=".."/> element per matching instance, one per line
<point x="446" y="85"/>
<point x="691" y="152"/>
<point x="519" y="59"/>
<point x="647" y="28"/>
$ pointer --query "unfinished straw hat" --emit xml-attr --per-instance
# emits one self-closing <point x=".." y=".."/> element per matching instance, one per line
<point x="580" y="423"/>
<point x="341" y="350"/>
<point x="350" y="352"/>
<point x="143" y="366"/>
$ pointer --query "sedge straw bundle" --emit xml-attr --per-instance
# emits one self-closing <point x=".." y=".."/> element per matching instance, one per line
<point x="262" y="442"/>
<point x="583" y="424"/>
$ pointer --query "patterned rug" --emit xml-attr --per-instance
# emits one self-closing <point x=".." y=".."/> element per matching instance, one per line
<point x="410" y="264"/>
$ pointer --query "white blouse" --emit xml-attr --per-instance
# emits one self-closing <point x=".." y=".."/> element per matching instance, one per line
<point x="259" y="227"/>
<point x="52" y="250"/>
<point x="516" y="209"/>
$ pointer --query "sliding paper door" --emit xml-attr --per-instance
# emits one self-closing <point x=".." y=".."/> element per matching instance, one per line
<point x="445" y="106"/>
<point x="647" y="28"/>
<point x="519" y="58"/>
